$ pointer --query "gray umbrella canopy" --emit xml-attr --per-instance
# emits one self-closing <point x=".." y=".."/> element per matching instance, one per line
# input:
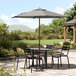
<point x="72" y="22"/>
<point x="39" y="13"/>
<point x="42" y="13"/>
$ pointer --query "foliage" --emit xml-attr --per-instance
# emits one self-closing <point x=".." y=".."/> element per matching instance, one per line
<point x="71" y="13"/>
<point x="56" y="26"/>
<point x="16" y="35"/>
<point x="55" y="36"/>
<point x="3" y="52"/>
<point x="43" y="29"/>
<point x="66" y="43"/>
<point x="57" y="45"/>
<point x="73" y="46"/>
<point x="18" y="44"/>
<point x="7" y="51"/>
<point x="5" y="42"/>
<point x="4" y="72"/>
<point x="9" y="72"/>
<point x="3" y="30"/>
<point x="53" y="30"/>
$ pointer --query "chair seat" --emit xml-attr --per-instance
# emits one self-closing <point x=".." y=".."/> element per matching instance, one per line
<point x="59" y="55"/>
<point x="39" y="58"/>
<point x="56" y="55"/>
<point x="35" y="57"/>
<point x="42" y="54"/>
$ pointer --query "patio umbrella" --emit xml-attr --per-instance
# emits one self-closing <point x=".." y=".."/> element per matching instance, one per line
<point x="39" y="13"/>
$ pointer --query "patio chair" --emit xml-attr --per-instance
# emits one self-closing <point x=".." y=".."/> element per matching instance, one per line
<point x="51" y="47"/>
<point x="16" y="56"/>
<point x="28" y="56"/>
<point x="64" y="53"/>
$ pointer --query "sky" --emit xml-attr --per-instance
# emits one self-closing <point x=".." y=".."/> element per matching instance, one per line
<point x="10" y="8"/>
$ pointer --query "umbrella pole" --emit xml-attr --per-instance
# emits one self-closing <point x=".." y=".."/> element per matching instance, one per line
<point x="39" y="41"/>
<point x="39" y="36"/>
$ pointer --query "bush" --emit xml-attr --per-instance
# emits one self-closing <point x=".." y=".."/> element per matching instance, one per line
<point x="5" y="43"/>
<point x="11" y="52"/>
<point x="7" y="52"/>
<point x="4" y="72"/>
<point x="3" y="52"/>
<point x="19" y="45"/>
<point x="10" y="71"/>
<point x="73" y="46"/>
<point x="57" y="45"/>
<point x="20" y="51"/>
<point x="52" y="36"/>
<point x="66" y="44"/>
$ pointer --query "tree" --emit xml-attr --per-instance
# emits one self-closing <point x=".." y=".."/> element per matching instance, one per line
<point x="57" y="26"/>
<point x="44" y="29"/>
<point x="3" y="30"/>
<point x="71" y="13"/>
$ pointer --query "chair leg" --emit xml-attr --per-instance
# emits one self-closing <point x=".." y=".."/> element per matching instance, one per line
<point x="60" y="62"/>
<point x="17" y="63"/>
<point x="36" y="64"/>
<point x="25" y="64"/>
<point x="52" y="62"/>
<point x="15" y="58"/>
<point x="68" y="62"/>
<point x="31" y="69"/>
<point x="42" y="64"/>
<point x="29" y="62"/>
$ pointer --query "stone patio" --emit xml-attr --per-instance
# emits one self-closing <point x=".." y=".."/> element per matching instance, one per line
<point x="63" y="71"/>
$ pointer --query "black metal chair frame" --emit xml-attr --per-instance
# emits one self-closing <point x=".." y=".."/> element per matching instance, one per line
<point x="61" y="54"/>
<point x="32" y="57"/>
<point x="16" y="56"/>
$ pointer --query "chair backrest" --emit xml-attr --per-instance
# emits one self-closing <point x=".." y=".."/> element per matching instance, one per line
<point x="65" y="50"/>
<point x="15" y="51"/>
<point x="27" y="52"/>
<point x="50" y="46"/>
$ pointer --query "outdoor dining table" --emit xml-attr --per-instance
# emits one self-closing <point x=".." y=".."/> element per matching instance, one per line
<point x="41" y="49"/>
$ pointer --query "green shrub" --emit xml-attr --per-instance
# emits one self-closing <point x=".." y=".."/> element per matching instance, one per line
<point x="11" y="52"/>
<point x="66" y="44"/>
<point x="60" y="36"/>
<point x="10" y="72"/>
<point x="21" y="45"/>
<point x="5" y="43"/>
<point x="57" y="45"/>
<point x="4" y="72"/>
<point x="73" y="46"/>
<point x="20" y="51"/>
<point x="3" y="52"/>
<point x="52" y="36"/>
